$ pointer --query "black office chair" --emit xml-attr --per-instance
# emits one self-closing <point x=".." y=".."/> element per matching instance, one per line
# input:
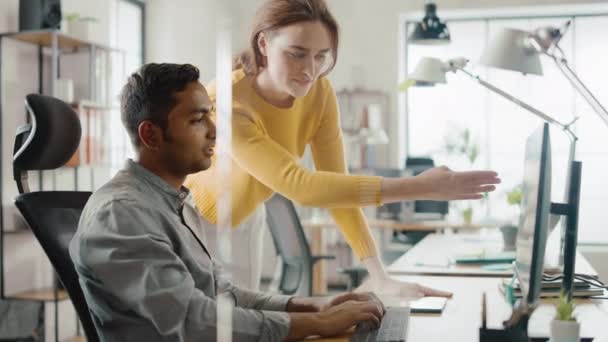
<point x="46" y="144"/>
<point x="291" y="245"/>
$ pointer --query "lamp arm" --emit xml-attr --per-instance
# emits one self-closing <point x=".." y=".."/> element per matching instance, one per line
<point x="566" y="127"/>
<point x="515" y="100"/>
<point x="576" y="82"/>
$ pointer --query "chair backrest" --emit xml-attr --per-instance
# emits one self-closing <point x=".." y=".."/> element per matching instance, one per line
<point x="291" y="244"/>
<point x="53" y="218"/>
<point x="45" y="144"/>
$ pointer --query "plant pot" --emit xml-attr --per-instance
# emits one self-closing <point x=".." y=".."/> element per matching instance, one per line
<point x="565" y="331"/>
<point x="509" y="237"/>
<point x="81" y="29"/>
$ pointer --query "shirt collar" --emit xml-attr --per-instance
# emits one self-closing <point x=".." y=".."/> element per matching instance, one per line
<point x="174" y="197"/>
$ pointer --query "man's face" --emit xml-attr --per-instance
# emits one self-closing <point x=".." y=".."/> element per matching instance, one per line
<point x="190" y="135"/>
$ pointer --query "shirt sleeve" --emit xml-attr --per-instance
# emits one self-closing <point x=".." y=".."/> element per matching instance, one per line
<point x="249" y="299"/>
<point x="327" y="149"/>
<point x="135" y="270"/>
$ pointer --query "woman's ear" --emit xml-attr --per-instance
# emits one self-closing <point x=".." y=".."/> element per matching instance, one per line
<point x="262" y="44"/>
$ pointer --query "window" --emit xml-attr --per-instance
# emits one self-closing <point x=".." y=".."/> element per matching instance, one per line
<point x="500" y="127"/>
<point x="129" y="36"/>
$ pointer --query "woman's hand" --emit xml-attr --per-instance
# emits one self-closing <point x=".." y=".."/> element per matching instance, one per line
<point x="441" y="183"/>
<point x="392" y="287"/>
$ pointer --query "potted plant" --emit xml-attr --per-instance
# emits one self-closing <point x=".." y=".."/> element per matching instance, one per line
<point x="509" y="230"/>
<point x="79" y="26"/>
<point x="565" y="328"/>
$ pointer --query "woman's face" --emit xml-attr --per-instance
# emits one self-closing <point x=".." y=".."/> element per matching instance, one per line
<point x="296" y="55"/>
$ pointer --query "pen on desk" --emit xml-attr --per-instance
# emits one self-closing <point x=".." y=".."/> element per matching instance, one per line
<point x="483" y="310"/>
<point x="424" y="264"/>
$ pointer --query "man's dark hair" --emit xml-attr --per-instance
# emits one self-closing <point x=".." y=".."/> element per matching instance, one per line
<point x="149" y="95"/>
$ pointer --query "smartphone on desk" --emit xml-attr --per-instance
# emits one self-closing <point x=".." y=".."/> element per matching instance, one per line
<point x="433" y="305"/>
<point x="428" y="305"/>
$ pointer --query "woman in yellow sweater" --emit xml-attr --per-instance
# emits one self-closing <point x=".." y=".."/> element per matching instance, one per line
<point x="282" y="102"/>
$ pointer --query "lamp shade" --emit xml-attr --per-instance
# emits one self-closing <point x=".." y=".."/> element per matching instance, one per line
<point x="510" y="50"/>
<point x="431" y="30"/>
<point x="428" y="72"/>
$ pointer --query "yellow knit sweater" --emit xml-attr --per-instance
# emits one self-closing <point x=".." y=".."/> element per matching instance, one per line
<point x="267" y="143"/>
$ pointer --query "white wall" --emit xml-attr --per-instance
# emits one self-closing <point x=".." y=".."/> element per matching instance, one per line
<point x="184" y="31"/>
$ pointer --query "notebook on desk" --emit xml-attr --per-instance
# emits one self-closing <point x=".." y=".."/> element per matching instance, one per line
<point x="431" y="305"/>
<point x="551" y="289"/>
<point x="485" y="258"/>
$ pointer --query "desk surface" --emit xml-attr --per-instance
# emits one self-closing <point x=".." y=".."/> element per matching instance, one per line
<point x="430" y="226"/>
<point x="461" y="318"/>
<point x="433" y="256"/>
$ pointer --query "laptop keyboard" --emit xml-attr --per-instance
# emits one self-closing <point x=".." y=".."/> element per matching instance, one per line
<point x="393" y="327"/>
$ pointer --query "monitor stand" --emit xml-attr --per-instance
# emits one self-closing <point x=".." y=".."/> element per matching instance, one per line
<point x="569" y="235"/>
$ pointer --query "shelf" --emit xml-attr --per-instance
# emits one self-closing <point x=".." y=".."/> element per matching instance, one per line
<point x="64" y="41"/>
<point x="40" y="295"/>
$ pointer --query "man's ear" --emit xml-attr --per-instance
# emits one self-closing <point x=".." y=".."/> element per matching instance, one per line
<point x="150" y="135"/>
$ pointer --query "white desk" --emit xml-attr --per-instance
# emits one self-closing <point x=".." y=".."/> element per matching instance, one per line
<point x="461" y="319"/>
<point x="319" y="246"/>
<point x="438" y="250"/>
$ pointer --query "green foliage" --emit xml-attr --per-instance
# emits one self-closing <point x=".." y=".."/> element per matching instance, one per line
<point x="72" y="17"/>
<point x="467" y="214"/>
<point x="463" y="144"/>
<point x="514" y="196"/>
<point x="564" y="308"/>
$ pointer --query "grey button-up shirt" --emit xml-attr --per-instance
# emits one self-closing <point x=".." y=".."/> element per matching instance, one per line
<point x="145" y="272"/>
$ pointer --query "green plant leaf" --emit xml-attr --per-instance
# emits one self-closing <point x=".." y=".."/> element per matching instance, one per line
<point x="473" y="153"/>
<point x="514" y="196"/>
<point x="72" y="16"/>
<point x="564" y="308"/>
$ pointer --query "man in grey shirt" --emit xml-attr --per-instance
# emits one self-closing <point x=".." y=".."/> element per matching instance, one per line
<point x="140" y="250"/>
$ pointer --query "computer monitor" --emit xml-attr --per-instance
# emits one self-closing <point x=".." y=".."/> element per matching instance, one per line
<point x="536" y="204"/>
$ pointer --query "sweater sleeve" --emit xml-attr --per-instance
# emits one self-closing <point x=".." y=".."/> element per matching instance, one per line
<point x="271" y="164"/>
<point x="328" y="153"/>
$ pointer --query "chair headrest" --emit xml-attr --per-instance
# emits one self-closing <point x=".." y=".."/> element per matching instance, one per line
<point x="54" y="135"/>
